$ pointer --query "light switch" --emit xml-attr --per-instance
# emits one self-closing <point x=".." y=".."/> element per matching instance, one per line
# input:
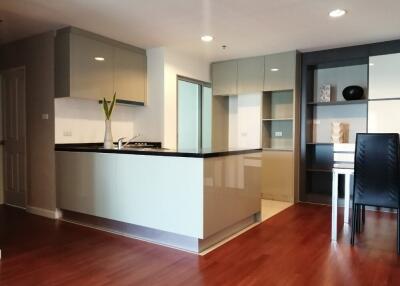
<point x="45" y="116"/>
<point x="67" y="133"/>
<point x="278" y="133"/>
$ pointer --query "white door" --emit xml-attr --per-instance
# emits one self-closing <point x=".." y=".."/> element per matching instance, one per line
<point x="14" y="135"/>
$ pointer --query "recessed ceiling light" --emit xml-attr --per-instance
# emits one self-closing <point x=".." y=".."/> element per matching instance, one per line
<point x="207" y="38"/>
<point x="100" y="59"/>
<point x="274" y="69"/>
<point x="337" y="13"/>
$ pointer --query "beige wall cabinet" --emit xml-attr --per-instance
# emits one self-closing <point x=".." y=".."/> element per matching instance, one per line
<point x="130" y="75"/>
<point x="89" y="78"/>
<point x="89" y="66"/>
<point x="278" y="174"/>
<point x="250" y="75"/>
<point x="280" y="70"/>
<point x="224" y="77"/>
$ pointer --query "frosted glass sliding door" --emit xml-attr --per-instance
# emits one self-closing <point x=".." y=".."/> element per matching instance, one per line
<point x="188" y="115"/>
<point x="194" y="115"/>
<point x="206" y="117"/>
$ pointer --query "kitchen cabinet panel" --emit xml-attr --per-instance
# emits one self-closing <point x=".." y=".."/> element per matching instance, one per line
<point x="250" y="75"/>
<point x="224" y="78"/>
<point x="90" y="78"/>
<point x="130" y="75"/>
<point x="384" y="76"/>
<point x="90" y="66"/>
<point x="280" y="71"/>
<point x="278" y="176"/>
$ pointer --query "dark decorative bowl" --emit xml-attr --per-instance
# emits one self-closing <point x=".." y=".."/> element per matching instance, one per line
<point x="353" y="92"/>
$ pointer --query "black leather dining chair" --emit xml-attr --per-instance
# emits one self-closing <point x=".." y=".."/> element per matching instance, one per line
<point x="376" y="176"/>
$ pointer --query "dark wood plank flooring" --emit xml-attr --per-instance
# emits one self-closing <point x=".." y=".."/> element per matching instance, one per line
<point x="291" y="248"/>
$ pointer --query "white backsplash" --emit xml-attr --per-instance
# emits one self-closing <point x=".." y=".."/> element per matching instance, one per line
<point x="82" y="121"/>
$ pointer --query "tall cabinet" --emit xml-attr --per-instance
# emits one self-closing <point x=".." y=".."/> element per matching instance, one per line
<point x="279" y="130"/>
<point x="275" y="78"/>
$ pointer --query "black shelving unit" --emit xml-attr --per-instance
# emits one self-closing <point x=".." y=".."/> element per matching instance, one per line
<point x="316" y="153"/>
<point x="359" y="101"/>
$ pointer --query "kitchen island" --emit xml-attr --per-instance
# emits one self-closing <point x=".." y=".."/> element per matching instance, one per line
<point x="188" y="199"/>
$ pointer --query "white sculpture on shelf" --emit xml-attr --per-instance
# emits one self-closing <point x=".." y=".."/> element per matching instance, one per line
<point x="339" y="132"/>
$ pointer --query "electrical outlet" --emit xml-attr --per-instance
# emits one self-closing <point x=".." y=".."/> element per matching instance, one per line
<point x="278" y="133"/>
<point x="67" y="133"/>
<point x="45" y="116"/>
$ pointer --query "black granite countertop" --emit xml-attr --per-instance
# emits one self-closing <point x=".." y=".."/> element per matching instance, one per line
<point x="202" y="153"/>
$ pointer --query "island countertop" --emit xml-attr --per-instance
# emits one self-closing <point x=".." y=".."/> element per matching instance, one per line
<point x="200" y="153"/>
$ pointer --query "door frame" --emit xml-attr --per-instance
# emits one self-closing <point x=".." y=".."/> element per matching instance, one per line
<point x="201" y="84"/>
<point x="2" y="142"/>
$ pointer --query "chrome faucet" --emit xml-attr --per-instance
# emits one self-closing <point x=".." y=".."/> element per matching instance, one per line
<point x="121" y="144"/>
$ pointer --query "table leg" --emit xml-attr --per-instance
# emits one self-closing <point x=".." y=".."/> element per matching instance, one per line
<point x="346" y="197"/>
<point x="334" y="205"/>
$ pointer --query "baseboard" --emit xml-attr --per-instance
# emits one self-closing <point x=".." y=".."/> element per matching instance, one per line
<point x="53" y="214"/>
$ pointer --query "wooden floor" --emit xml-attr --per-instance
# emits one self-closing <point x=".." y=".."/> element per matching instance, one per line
<point x="291" y="248"/>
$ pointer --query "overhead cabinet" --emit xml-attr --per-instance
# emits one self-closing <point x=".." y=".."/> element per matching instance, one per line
<point x="89" y="66"/>
<point x="274" y="72"/>
<point x="250" y="75"/>
<point x="224" y="78"/>
<point x="130" y="75"/>
<point x="280" y="71"/>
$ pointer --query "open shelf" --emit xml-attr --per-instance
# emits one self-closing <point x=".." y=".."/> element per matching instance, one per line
<point x="342" y="102"/>
<point x="277" y="122"/>
<point x="278" y="149"/>
<point x="277" y="119"/>
<point x="319" y="170"/>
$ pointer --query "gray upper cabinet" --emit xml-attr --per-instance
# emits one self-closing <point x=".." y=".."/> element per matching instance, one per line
<point x="90" y="78"/>
<point x="90" y="66"/>
<point x="280" y="71"/>
<point x="130" y="75"/>
<point x="224" y="78"/>
<point x="250" y="75"/>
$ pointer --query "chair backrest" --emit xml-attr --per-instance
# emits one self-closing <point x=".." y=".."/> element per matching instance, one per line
<point x="376" y="170"/>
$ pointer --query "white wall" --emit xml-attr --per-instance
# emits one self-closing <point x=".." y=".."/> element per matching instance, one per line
<point x="82" y="121"/>
<point x="148" y="120"/>
<point x="176" y="64"/>
<point x="244" y="121"/>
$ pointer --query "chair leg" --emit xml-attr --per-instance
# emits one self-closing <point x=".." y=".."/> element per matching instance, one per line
<point x="353" y="223"/>
<point x="363" y="214"/>
<point x="358" y="218"/>
<point x="398" y="231"/>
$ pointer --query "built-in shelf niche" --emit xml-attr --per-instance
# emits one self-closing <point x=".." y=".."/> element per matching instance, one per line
<point x="352" y="113"/>
<point x="353" y="116"/>
<point x="277" y="121"/>
<point x="339" y="78"/>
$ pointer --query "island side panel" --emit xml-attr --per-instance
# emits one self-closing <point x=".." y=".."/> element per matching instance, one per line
<point x="164" y="193"/>
<point x="232" y="191"/>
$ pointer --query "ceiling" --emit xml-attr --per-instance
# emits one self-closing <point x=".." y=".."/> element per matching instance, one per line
<point x="247" y="27"/>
